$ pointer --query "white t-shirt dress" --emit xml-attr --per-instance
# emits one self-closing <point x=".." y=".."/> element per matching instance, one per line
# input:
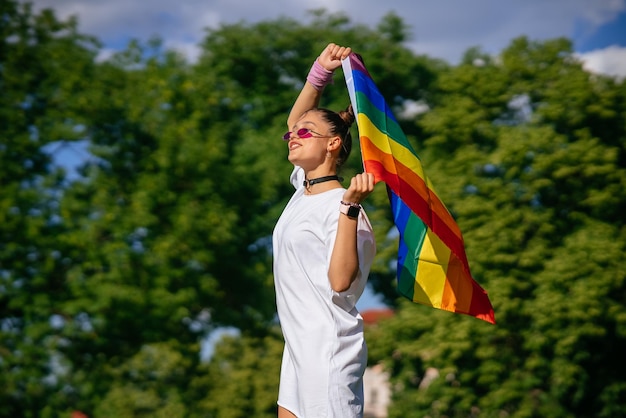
<point x="325" y="354"/>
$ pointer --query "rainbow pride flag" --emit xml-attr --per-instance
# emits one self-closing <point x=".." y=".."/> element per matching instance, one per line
<point x="432" y="266"/>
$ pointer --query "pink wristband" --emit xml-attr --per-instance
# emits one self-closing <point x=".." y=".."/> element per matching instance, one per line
<point x="319" y="76"/>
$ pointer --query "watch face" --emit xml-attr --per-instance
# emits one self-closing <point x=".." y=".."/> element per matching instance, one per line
<point x="353" y="211"/>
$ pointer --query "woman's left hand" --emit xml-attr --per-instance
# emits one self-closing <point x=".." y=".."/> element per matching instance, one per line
<point x="360" y="187"/>
<point x="331" y="56"/>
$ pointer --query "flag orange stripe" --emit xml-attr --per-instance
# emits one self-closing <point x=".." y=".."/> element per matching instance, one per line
<point x="399" y="160"/>
<point x="457" y="284"/>
<point x="414" y="192"/>
<point x="413" y="181"/>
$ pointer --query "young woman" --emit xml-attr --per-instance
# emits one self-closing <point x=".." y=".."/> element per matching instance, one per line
<point x="323" y="249"/>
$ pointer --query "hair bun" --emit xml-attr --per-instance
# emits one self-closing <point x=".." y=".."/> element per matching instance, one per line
<point x="347" y="116"/>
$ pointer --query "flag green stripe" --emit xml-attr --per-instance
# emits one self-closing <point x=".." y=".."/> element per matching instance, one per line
<point x="380" y="120"/>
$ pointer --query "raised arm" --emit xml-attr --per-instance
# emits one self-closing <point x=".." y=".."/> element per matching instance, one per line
<point x="320" y="75"/>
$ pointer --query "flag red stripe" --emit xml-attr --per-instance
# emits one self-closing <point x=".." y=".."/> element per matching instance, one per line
<point x="412" y="189"/>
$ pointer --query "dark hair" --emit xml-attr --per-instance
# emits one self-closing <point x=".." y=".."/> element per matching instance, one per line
<point x="340" y="123"/>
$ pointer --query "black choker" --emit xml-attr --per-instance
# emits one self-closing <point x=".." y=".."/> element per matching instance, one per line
<point x="309" y="183"/>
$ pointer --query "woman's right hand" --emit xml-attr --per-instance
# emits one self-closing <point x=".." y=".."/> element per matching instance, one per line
<point x="361" y="185"/>
<point x="331" y="56"/>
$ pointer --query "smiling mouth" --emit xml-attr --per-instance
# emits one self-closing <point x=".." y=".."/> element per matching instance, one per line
<point x="294" y="145"/>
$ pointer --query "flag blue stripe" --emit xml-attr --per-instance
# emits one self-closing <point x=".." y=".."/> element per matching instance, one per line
<point x="365" y="85"/>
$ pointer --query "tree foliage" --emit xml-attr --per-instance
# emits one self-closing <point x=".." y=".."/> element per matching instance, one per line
<point x="111" y="279"/>
<point x="44" y="67"/>
<point x="530" y="151"/>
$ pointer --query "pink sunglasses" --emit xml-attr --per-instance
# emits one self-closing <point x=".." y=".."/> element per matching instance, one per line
<point x="303" y="133"/>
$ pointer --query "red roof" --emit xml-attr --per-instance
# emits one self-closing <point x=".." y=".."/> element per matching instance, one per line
<point x="372" y="316"/>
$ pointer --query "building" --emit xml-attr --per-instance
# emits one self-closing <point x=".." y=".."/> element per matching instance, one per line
<point x="376" y="386"/>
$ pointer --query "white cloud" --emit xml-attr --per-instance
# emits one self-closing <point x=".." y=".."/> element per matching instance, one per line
<point x="604" y="12"/>
<point x="411" y="108"/>
<point x="442" y="29"/>
<point x="610" y="61"/>
<point x="189" y="50"/>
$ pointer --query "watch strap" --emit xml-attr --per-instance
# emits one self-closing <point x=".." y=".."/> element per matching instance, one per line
<point x="351" y="210"/>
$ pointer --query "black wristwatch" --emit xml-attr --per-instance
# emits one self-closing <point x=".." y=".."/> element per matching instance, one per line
<point x="351" y="210"/>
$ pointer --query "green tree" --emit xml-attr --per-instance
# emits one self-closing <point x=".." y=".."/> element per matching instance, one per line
<point x="44" y="67"/>
<point x="528" y="152"/>
<point x="160" y="251"/>
<point x="241" y="380"/>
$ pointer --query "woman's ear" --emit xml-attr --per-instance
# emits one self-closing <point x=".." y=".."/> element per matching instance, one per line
<point x="334" y="143"/>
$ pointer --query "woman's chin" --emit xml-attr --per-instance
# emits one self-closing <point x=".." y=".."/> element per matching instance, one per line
<point x="293" y="158"/>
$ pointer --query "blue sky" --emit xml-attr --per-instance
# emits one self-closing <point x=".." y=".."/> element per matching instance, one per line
<point x="608" y="34"/>
<point x="441" y="28"/>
